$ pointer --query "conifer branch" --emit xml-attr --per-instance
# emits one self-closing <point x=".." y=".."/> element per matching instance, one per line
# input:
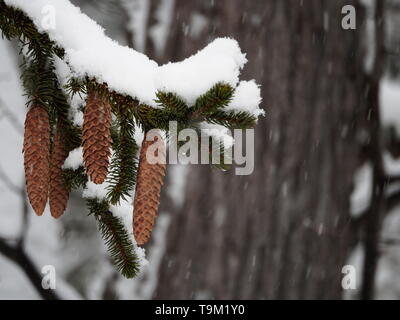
<point x="75" y="179"/>
<point x="44" y="92"/>
<point x="122" y="175"/>
<point x="173" y="104"/>
<point x="116" y="238"/>
<point x="214" y="99"/>
<point x="232" y="119"/>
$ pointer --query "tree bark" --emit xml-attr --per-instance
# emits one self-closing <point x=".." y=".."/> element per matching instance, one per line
<point x="282" y="232"/>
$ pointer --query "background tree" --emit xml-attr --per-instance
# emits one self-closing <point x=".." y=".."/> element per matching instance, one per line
<point x="283" y="232"/>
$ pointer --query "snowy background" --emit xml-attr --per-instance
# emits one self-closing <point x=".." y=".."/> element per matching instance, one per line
<point x="73" y="245"/>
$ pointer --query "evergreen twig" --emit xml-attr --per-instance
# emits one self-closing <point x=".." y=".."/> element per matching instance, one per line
<point x="116" y="237"/>
<point x="122" y="173"/>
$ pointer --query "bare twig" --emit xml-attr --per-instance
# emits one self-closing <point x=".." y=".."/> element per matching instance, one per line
<point x="16" y="252"/>
<point x="25" y="218"/>
<point x="18" y="255"/>
<point x="25" y="207"/>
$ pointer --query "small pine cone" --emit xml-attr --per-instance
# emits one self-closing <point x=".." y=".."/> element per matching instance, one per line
<point x="147" y="196"/>
<point x="96" y="137"/>
<point x="36" y="157"/>
<point x="59" y="193"/>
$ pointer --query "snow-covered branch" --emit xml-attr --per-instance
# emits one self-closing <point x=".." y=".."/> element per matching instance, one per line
<point x="90" y="53"/>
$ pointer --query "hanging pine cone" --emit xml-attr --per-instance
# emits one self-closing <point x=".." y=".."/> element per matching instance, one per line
<point x="59" y="193"/>
<point x="147" y="196"/>
<point x="36" y="157"/>
<point x="96" y="137"/>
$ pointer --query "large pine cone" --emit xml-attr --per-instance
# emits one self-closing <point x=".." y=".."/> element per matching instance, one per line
<point x="59" y="193"/>
<point x="147" y="196"/>
<point x="36" y="157"/>
<point x="96" y="137"/>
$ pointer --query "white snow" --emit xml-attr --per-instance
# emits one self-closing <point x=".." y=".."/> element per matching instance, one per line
<point x="247" y="97"/>
<point x="64" y="73"/>
<point x="89" y="52"/>
<point x="220" y="61"/>
<point x="138" y="135"/>
<point x="74" y="159"/>
<point x="77" y="116"/>
<point x="218" y="132"/>
<point x="95" y="191"/>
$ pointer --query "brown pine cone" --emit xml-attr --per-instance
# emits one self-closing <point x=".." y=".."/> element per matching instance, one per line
<point x="59" y="193"/>
<point x="96" y="137"/>
<point x="36" y="157"/>
<point x="147" y="196"/>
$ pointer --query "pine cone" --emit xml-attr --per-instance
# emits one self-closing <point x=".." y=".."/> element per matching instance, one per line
<point x="59" y="193"/>
<point x="147" y="196"/>
<point x="36" y="157"/>
<point x="96" y="137"/>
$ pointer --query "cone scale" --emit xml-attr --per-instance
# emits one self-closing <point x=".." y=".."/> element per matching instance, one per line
<point x="36" y="157"/>
<point x="59" y="193"/>
<point x="96" y="137"/>
<point x="147" y="195"/>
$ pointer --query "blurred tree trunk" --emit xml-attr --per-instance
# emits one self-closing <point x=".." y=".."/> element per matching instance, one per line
<point x="282" y="232"/>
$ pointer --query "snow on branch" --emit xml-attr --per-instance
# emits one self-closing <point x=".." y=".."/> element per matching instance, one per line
<point x="73" y="72"/>
<point x="89" y="52"/>
<point x="220" y="61"/>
